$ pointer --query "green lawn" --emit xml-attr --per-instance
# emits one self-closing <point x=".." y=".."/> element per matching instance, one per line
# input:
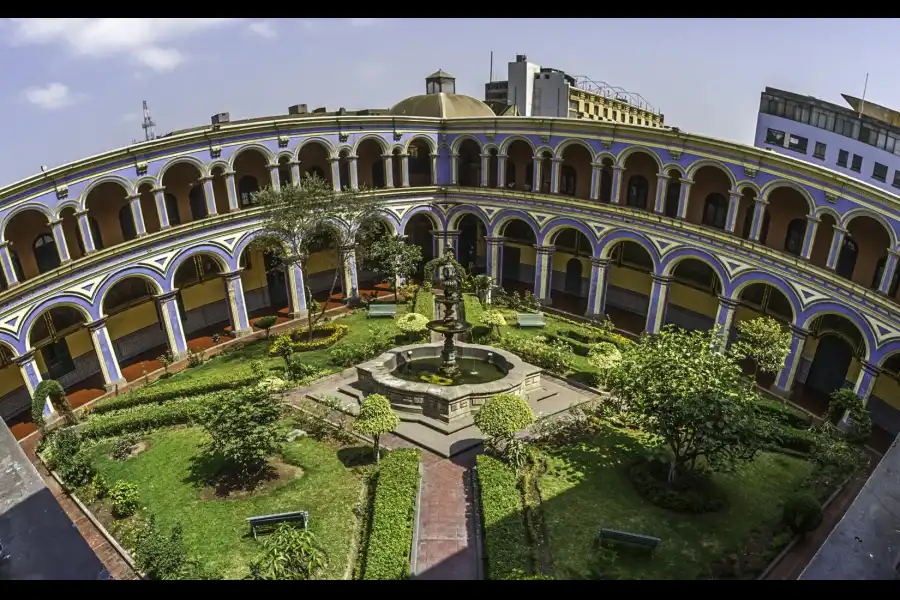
<point x="587" y="487"/>
<point x="215" y="529"/>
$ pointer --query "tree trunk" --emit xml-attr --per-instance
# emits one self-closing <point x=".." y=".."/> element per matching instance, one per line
<point x="377" y="450"/>
<point x="673" y="472"/>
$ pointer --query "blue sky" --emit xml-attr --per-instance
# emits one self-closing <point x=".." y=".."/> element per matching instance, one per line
<point x="73" y="87"/>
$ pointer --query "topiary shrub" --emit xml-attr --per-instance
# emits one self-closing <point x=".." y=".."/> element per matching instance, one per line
<point x="501" y="418"/>
<point x="124" y="499"/>
<point x="605" y="356"/>
<point x="556" y="358"/>
<point x="50" y="389"/>
<point x="77" y="471"/>
<point x="802" y="513"/>
<point x="860" y="426"/>
<point x="412" y="324"/>
<point x="266" y="323"/>
<point x="121" y="449"/>
<point x="493" y="319"/>
<point x="376" y="418"/>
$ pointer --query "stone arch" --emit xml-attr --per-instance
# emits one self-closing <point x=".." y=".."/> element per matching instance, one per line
<point x="145" y="180"/>
<point x="432" y="145"/>
<point x="9" y="343"/>
<point x="746" y="279"/>
<point x="490" y="147"/>
<point x="605" y="155"/>
<point x="505" y="216"/>
<point x="437" y="221"/>
<point x="458" y="142"/>
<point x="743" y="186"/>
<point x="122" y="181"/>
<point x="196" y="162"/>
<point x="389" y="218"/>
<point x="885" y="352"/>
<point x="151" y="276"/>
<point x="241" y="245"/>
<point x="62" y="301"/>
<point x="326" y="145"/>
<point x="509" y="139"/>
<point x="218" y="254"/>
<point x="709" y="162"/>
<point x="862" y="211"/>
<point x="608" y="242"/>
<point x="673" y="258"/>
<point x="829" y="307"/>
<point x="540" y="150"/>
<point x="768" y="188"/>
<point x="821" y="211"/>
<point x="221" y="164"/>
<point x="668" y="167"/>
<point x="267" y="154"/>
<point x="41" y="208"/>
<point x="378" y="139"/>
<point x="561" y="147"/>
<point x="457" y="213"/>
<point x="624" y="154"/>
<point x="547" y="234"/>
<point x="72" y="203"/>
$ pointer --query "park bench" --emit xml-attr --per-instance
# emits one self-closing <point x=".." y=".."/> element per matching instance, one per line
<point x="263" y="521"/>
<point x="624" y="537"/>
<point x="530" y="319"/>
<point x="382" y="310"/>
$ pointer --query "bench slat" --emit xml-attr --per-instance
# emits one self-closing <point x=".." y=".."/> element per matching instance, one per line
<point x="261" y="520"/>
<point x="616" y="535"/>
<point x="530" y="319"/>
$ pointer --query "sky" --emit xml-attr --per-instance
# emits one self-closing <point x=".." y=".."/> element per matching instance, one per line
<point x="71" y="88"/>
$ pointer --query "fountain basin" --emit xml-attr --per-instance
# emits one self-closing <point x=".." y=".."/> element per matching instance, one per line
<point x="445" y="403"/>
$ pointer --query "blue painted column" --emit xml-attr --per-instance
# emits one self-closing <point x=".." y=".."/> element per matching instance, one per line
<point x="350" y="277"/>
<point x="234" y="201"/>
<point x="495" y="259"/>
<point x="617" y="172"/>
<point x="404" y="169"/>
<point x="31" y="375"/>
<point x="683" y="197"/>
<point x="59" y="237"/>
<point x="434" y="168"/>
<point x="865" y="383"/>
<point x="662" y="183"/>
<point x="596" y="174"/>
<point x="725" y="317"/>
<point x="159" y="194"/>
<point x="296" y="287"/>
<point x="106" y="354"/>
<point x="890" y="269"/>
<point x="352" y="163"/>
<point x="335" y="173"/>
<point x="543" y="271"/>
<point x="809" y="236"/>
<point x="237" y="308"/>
<point x="274" y="180"/>
<point x="596" y="307"/>
<point x="84" y="229"/>
<point x="759" y="214"/>
<point x="387" y="161"/>
<point x="485" y="170"/>
<point x="209" y="195"/>
<point x="137" y="215"/>
<point x="537" y="164"/>
<point x="6" y="262"/>
<point x="784" y="382"/>
<point x="295" y="174"/>
<point x="501" y="171"/>
<point x="734" y="202"/>
<point x="555" y="169"/>
<point x="834" y="252"/>
<point x="656" y="309"/>
<point x="171" y="320"/>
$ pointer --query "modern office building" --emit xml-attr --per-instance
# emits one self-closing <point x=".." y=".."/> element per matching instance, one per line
<point x="860" y="141"/>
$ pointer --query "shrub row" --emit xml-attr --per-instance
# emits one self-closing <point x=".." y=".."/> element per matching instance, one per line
<point x="579" y="348"/>
<point x="393" y="516"/>
<point x="298" y="340"/>
<point x="144" y="418"/>
<point x="538" y="351"/>
<point x="784" y="413"/>
<point x="785" y="437"/>
<point x="152" y="394"/>
<point x="506" y="545"/>
<point x="595" y="336"/>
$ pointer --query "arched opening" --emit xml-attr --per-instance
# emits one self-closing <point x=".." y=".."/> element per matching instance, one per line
<point x="285" y="176"/>
<point x="872" y="243"/>
<point x="314" y="160"/>
<point x="22" y="231"/>
<point x="757" y="300"/>
<point x="673" y="193"/>
<point x="74" y="243"/>
<point x="472" y="251"/>
<point x="202" y="300"/>
<point x="546" y="172"/>
<point x="693" y="298"/>
<point x="575" y="171"/>
<point x="420" y="165"/>
<point x="251" y="174"/>
<point x="519" y="169"/>
<point x="793" y="239"/>
<point x="469" y="164"/>
<point x="708" y="179"/>
<point x="606" y="177"/>
<point x="149" y="210"/>
<point x="519" y="255"/>
<point x="397" y="167"/>
<point x="182" y="183"/>
<point x="220" y="190"/>
<point x="715" y="211"/>
<point x="570" y="279"/>
<point x="126" y="222"/>
<point x="628" y="286"/>
<point x="105" y="204"/>
<point x="640" y="181"/>
<point x="879" y="274"/>
<point x="134" y="326"/>
<point x="574" y="276"/>
<point x="15" y="401"/>
<point x="264" y="278"/>
<point x="248" y="187"/>
<point x="884" y="402"/>
<point x="64" y="352"/>
<point x="344" y="169"/>
<point x="493" y="166"/>
<point x="46" y="256"/>
<point x="370" y="164"/>
<point x="822" y="240"/>
<point x="786" y="205"/>
<point x="830" y="360"/>
<point x="419" y="231"/>
<point x="846" y="262"/>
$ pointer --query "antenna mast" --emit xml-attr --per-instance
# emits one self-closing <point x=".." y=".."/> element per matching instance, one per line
<point x="148" y="124"/>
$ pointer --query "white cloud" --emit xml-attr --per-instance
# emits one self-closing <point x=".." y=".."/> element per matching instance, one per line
<point x="264" y="29"/>
<point x="50" y="97"/>
<point x="149" y="42"/>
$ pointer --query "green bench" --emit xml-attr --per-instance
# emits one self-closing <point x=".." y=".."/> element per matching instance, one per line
<point x="265" y="521"/>
<point x="382" y="310"/>
<point x="530" y="319"/>
<point x="625" y="537"/>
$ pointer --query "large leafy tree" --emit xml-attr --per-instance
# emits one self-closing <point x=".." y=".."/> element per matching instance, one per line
<point x="297" y="218"/>
<point x="765" y="342"/>
<point x="678" y="386"/>
<point x="391" y="257"/>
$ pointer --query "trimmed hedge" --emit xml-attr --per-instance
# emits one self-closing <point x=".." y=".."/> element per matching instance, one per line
<point x="802" y="441"/>
<point x="393" y="516"/>
<point x="173" y="390"/>
<point x="145" y="418"/>
<point x="590" y="335"/>
<point x="505" y="543"/>
<point x="577" y="347"/>
<point x="784" y="413"/>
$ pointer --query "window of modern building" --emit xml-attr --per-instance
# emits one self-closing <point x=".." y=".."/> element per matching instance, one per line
<point x="856" y="165"/>
<point x="819" y="152"/>
<point x="843" y="157"/>
<point x="797" y="143"/>
<point x="879" y="172"/>
<point x="896" y="183"/>
<point x="773" y="136"/>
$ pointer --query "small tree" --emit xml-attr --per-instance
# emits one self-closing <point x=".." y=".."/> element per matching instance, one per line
<point x="391" y="257"/>
<point x="290" y="554"/>
<point x="802" y="513"/>
<point x="483" y="285"/>
<point x="500" y="418"/>
<point x="844" y="401"/>
<point x="764" y="341"/>
<point x="242" y="428"/>
<point x="605" y="357"/>
<point x="678" y="386"/>
<point x="493" y="319"/>
<point x="266" y="323"/>
<point x="376" y="418"/>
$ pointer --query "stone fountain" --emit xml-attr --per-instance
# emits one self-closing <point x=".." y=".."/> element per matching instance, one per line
<point x="449" y="326"/>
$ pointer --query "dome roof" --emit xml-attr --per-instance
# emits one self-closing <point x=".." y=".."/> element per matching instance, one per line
<point x="442" y="106"/>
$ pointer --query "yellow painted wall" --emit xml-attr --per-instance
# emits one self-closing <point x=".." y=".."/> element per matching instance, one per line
<point x="319" y="262"/>
<point x="201" y="294"/>
<point x="630" y="279"/>
<point x="79" y="343"/>
<point x="10" y="379"/>
<point x="887" y="388"/>
<point x="561" y="259"/>
<point x="131" y="320"/>
<point x="528" y="255"/>
<point x="693" y="299"/>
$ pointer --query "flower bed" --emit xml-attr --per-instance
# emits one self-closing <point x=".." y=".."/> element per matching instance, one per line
<point x="324" y="335"/>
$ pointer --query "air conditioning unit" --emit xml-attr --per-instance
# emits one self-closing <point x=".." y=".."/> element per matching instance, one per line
<point x="220" y="118"/>
<point x="298" y="109"/>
